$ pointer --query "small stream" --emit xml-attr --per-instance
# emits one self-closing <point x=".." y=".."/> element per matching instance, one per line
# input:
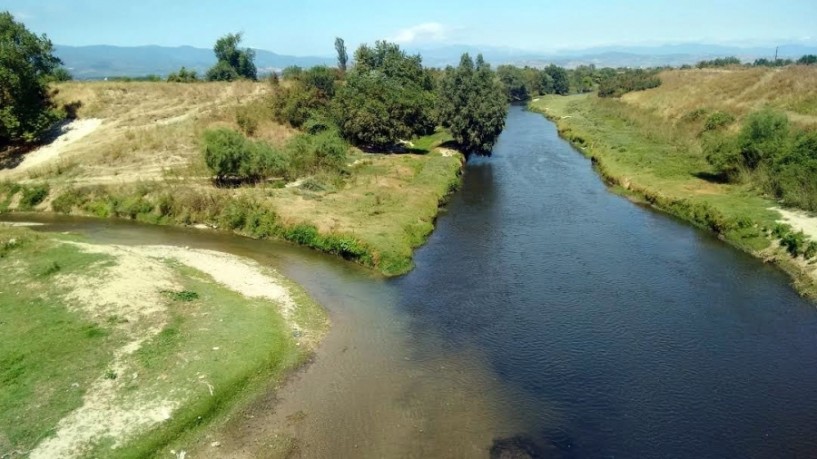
<point x="545" y="315"/>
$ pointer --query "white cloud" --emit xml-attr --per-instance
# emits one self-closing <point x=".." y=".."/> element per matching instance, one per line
<point x="428" y="32"/>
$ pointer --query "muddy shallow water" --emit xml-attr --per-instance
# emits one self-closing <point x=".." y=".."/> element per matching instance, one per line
<point x="546" y="316"/>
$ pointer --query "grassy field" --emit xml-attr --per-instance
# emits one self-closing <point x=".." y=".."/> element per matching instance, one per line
<point x="156" y="350"/>
<point x="647" y="145"/>
<point x="144" y="162"/>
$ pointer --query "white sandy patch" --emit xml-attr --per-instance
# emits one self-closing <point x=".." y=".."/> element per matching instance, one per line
<point x="800" y="221"/>
<point x="447" y="152"/>
<point x="71" y="132"/>
<point x="238" y="274"/>
<point x="131" y="289"/>
<point x="21" y="224"/>
<point x="295" y="184"/>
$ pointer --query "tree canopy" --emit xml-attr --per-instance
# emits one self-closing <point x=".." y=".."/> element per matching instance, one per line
<point x="472" y="104"/>
<point x="387" y="97"/>
<point x="233" y="63"/>
<point x="27" y="64"/>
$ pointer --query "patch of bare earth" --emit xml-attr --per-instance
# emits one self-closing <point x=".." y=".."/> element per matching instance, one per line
<point x="70" y="133"/>
<point x="128" y="291"/>
<point x="807" y="223"/>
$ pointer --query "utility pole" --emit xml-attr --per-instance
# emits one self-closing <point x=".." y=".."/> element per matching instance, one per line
<point x="775" y="53"/>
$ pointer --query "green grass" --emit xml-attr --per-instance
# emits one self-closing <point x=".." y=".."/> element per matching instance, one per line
<point x="661" y="163"/>
<point x="217" y="350"/>
<point x="48" y="353"/>
<point x="375" y="215"/>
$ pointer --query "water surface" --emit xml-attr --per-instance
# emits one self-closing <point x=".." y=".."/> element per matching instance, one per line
<point x="545" y="314"/>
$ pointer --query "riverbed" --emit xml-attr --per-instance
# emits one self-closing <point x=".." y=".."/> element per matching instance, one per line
<point x="545" y="315"/>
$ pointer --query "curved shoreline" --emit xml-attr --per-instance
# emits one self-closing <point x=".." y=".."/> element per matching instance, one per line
<point x="202" y="295"/>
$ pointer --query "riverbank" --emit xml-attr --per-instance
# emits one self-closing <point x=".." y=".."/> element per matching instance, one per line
<point x="119" y="351"/>
<point x="142" y="161"/>
<point x="651" y="161"/>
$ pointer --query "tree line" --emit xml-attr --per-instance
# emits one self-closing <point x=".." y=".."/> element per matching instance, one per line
<point x="387" y="97"/>
<point x="807" y="59"/>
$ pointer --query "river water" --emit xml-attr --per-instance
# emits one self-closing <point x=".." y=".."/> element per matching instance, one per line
<point x="546" y="315"/>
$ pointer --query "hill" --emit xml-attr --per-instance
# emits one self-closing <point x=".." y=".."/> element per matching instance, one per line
<point x="102" y="61"/>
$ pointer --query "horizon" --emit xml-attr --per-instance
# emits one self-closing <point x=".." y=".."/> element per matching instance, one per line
<point x="542" y="29"/>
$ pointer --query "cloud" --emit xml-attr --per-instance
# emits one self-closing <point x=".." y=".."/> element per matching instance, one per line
<point x="422" y="33"/>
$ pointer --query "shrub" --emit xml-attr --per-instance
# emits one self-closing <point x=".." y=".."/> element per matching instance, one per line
<point x="763" y="137"/>
<point x="718" y="120"/>
<point x="246" y="121"/>
<point x="302" y="234"/>
<point x="296" y="104"/>
<point x="228" y="154"/>
<point x="66" y="202"/>
<point x="794" y="242"/>
<point x="811" y="250"/>
<point x="33" y="195"/>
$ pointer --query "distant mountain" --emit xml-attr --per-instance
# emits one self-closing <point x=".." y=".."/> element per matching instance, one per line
<point x="611" y="56"/>
<point x="101" y="61"/>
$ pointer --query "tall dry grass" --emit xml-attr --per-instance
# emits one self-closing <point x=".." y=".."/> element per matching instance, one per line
<point x="738" y="91"/>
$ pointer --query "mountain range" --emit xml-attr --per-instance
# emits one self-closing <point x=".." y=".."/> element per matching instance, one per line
<point x="102" y="61"/>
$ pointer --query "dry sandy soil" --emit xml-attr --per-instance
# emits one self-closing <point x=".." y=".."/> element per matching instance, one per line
<point x="130" y="288"/>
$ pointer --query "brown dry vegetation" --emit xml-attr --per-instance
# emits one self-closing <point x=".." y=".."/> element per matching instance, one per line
<point x="145" y="162"/>
<point x="738" y="91"/>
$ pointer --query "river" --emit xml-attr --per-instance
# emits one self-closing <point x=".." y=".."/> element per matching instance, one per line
<point x="545" y="315"/>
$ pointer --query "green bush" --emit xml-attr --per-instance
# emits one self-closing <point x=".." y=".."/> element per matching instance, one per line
<point x="718" y="120"/>
<point x="296" y="104"/>
<point x="811" y="250"/>
<point x="228" y="154"/>
<point x="302" y="234"/>
<point x="133" y="206"/>
<point x="32" y="196"/>
<point x="794" y="243"/>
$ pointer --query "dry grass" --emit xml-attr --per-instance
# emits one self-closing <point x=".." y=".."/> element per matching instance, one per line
<point x="147" y="148"/>
<point x="738" y="91"/>
<point x="152" y="128"/>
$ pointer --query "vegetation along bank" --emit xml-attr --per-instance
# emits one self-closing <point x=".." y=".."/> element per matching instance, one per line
<point x="732" y="150"/>
<point x="353" y="160"/>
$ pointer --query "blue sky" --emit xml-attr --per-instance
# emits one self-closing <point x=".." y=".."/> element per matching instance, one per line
<point x="308" y="27"/>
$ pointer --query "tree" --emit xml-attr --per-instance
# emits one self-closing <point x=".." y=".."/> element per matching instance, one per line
<point x="561" y="84"/>
<point x="472" y="104"/>
<point x="343" y="57"/>
<point x="376" y="111"/>
<point x="514" y="82"/>
<point x="26" y="65"/>
<point x="232" y="63"/>
<point x="387" y="97"/>
<point x="808" y="59"/>
<point x="183" y="76"/>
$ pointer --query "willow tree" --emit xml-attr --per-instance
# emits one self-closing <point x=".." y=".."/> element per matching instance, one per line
<point x="472" y="104"/>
